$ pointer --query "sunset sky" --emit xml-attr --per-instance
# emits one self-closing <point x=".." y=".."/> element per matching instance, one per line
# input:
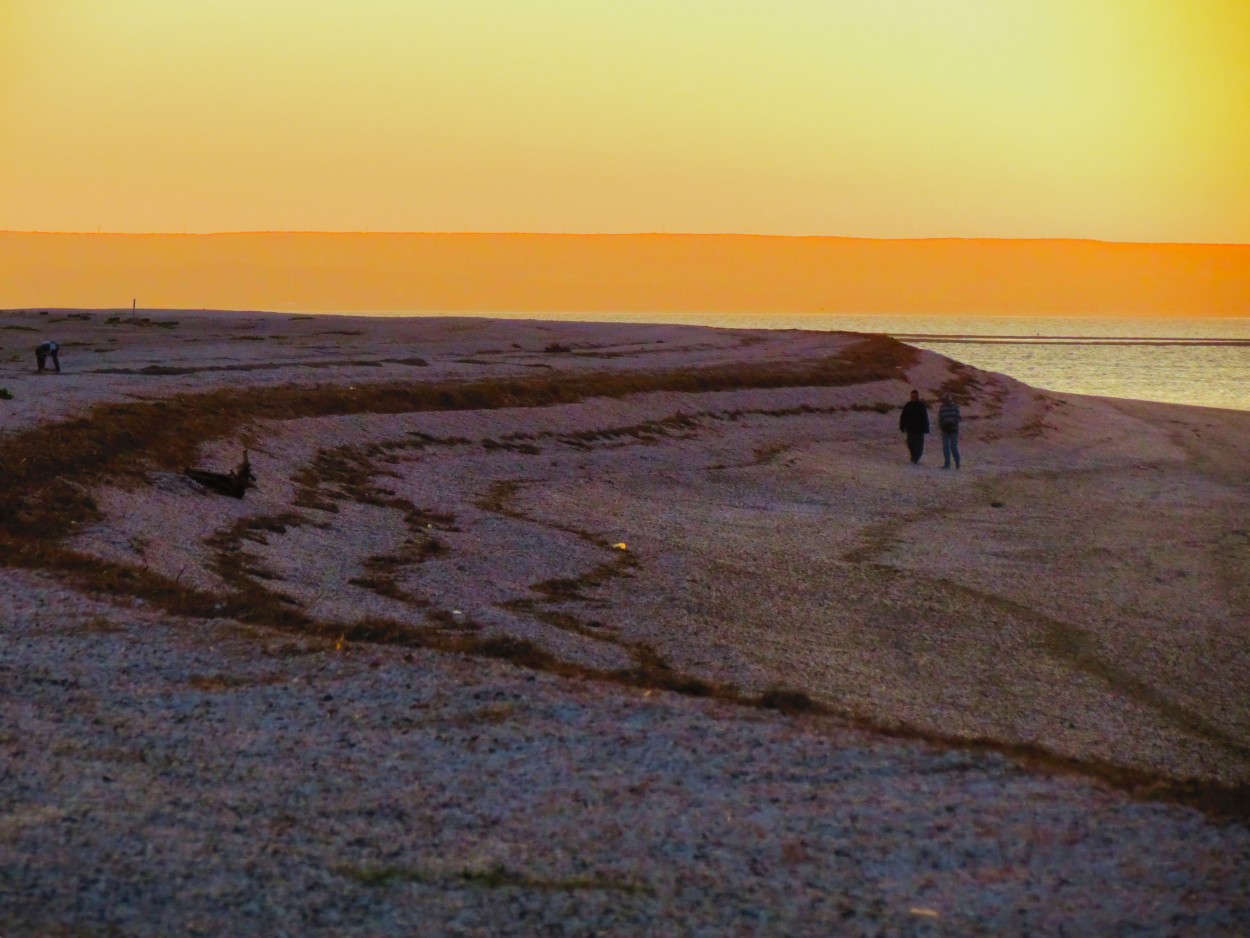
<point x="1108" y="119"/>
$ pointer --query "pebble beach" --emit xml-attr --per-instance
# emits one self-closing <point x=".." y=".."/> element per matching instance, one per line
<point x="654" y="630"/>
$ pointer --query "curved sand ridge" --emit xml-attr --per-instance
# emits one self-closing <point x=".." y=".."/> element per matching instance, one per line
<point x="1076" y="589"/>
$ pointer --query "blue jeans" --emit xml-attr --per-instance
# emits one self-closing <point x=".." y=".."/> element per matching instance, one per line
<point x="950" y="447"/>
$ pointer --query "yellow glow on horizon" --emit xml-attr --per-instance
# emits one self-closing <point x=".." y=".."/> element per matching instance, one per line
<point x="1111" y="119"/>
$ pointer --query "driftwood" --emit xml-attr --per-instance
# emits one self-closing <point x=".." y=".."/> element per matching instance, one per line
<point x="233" y="484"/>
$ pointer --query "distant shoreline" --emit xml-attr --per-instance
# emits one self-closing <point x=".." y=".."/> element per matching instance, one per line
<point x="1194" y="360"/>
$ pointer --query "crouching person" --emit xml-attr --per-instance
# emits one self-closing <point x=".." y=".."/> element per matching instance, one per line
<point x="45" y="351"/>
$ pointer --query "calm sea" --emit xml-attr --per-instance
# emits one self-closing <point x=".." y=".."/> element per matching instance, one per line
<point x="1182" y="361"/>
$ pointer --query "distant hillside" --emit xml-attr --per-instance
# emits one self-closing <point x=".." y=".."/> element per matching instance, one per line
<point x="536" y="273"/>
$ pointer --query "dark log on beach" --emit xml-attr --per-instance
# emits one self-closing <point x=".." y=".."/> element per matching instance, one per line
<point x="233" y="483"/>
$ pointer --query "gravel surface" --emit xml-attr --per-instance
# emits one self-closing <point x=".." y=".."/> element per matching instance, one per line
<point x="169" y="778"/>
<point x="1077" y="586"/>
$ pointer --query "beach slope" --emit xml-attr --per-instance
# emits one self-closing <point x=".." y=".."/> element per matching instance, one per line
<point x="608" y="626"/>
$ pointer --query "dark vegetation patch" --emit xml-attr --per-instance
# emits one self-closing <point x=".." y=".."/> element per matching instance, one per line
<point x="384" y="585"/>
<point x="495" y="877"/>
<point x="676" y="426"/>
<point x="292" y="649"/>
<point x="1214" y="799"/>
<point x="565" y="589"/>
<point x="483" y="716"/>
<point x="964" y="384"/>
<point x="584" y="351"/>
<point x="528" y="449"/>
<point x="347" y="473"/>
<point x="101" y="625"/>
<point x="142" y="321"/>
<point x="1037" y="425"/>
<point x="382" y="571"/>
<point x="498" y="497"/>
<point x="411" y="360"/>
<point x="560" y="619"/>
<point x="259" y="366"/>
<point x="762" y="455"/>
<point x="248" y="601"/>
<point x="500" y="877"/>
<point x="653" y="672"/>
<point x="788" y="701"/>
<point x="223" y="682"/>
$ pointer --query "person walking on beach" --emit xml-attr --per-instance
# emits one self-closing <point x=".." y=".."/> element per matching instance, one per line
<point x="914" y="421"/>
<point x="948" y="423"/>
<point x="45" y="351"/>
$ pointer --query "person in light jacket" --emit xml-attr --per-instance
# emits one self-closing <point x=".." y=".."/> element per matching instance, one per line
<point x="948" y="423"/>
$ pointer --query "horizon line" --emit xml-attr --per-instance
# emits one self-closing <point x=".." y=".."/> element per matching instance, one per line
<point x="617" y="234"/>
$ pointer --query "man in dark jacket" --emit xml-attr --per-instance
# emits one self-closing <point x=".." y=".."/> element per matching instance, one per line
<point x="914" y="421"/>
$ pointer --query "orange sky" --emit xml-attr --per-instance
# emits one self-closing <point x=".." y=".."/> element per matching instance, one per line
<point x="618" y="273"/>
<point x="1109" y="119"/>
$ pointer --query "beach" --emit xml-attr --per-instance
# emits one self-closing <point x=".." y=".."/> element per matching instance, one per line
<point x="593" y="628"/>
